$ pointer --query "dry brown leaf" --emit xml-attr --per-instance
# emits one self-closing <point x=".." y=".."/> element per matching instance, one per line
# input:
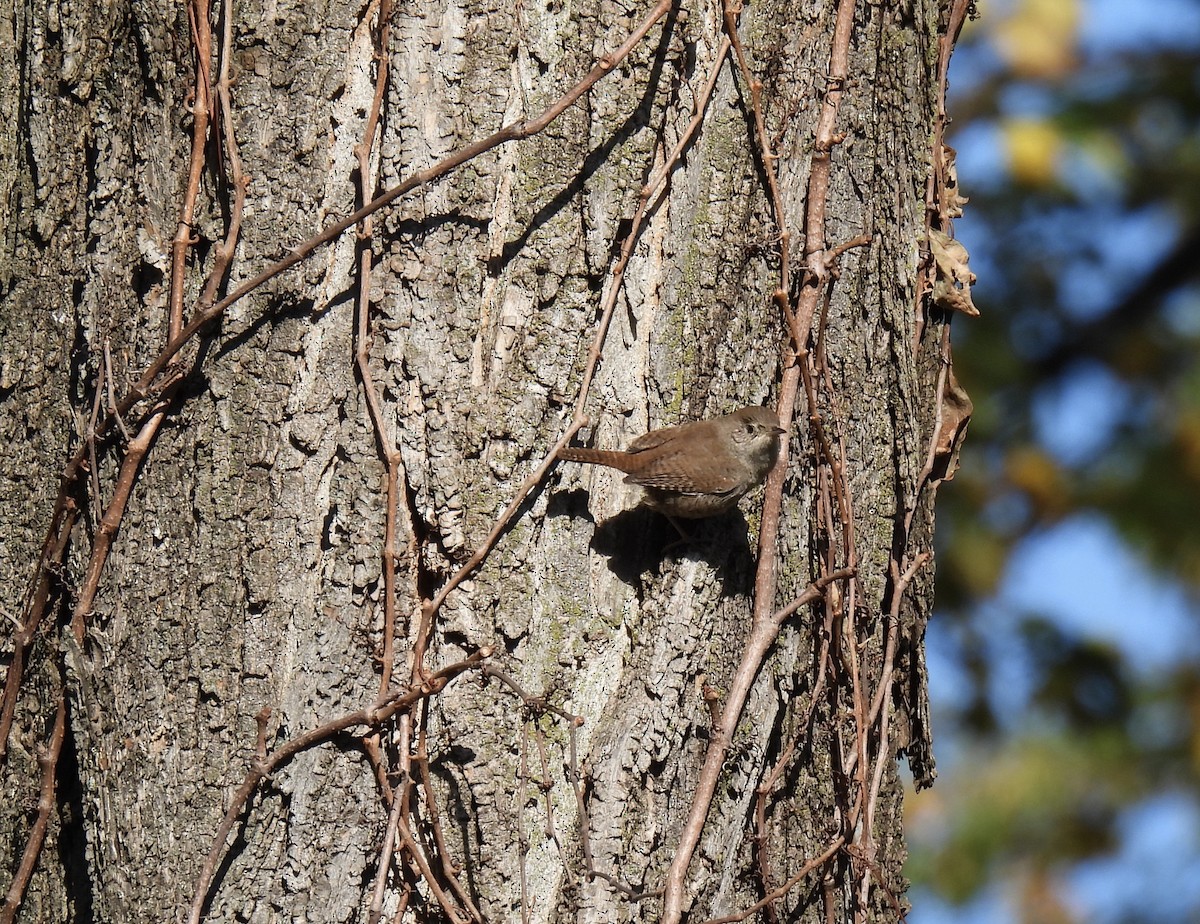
<point x="955" y="414"/>
<point x="952" y="288"/>
<point x="952" y="201"/>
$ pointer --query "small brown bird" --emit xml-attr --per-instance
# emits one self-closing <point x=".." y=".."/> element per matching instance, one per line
<point x="697" y="469"/>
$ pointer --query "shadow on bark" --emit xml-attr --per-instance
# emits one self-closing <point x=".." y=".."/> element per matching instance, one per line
<point x="640" y="541"/>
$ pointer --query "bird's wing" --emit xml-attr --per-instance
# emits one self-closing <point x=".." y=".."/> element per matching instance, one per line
<point x="678" y="473"/>
<point x="653" y="439"/>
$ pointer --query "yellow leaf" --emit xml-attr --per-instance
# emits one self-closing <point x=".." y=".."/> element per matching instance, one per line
<point x="1033" y="146"/>
<point x="1038" y="39"/>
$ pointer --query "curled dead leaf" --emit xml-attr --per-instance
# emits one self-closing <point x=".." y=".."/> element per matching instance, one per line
<point x="952" y="287"/>
<point x="955" y="414"/>
<point x="952" y="201"/>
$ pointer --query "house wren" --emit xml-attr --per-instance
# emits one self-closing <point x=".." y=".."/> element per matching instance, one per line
<point x="696" y="469"/>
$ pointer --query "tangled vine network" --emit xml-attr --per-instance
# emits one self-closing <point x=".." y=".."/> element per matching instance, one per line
<point x="395" y="722"/>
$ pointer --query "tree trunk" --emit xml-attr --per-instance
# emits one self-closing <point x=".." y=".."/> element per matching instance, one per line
<point x="304" y="487"/>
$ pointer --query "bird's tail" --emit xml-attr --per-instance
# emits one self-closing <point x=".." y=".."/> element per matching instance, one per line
<point x="618" y="460"/>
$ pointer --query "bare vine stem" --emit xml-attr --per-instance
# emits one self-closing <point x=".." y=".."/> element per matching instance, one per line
<point x="57" y="539"/>
<point x="264" y="764"/>
<point x="449" y="870"/>
<point x="59" y="532"/>
<point x="375" y="912"/>
<point x="362" y="347"/>
<point x="795" y="879"/>
<point x="393" y="465"/>
<point x="139" y="446"/>
<point x="45" y="805"/>
<point x="764" y="628"/>
<point x="763" y="633"/>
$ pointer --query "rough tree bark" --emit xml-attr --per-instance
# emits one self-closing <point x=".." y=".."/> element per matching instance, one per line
<point x="264" y="552"/>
